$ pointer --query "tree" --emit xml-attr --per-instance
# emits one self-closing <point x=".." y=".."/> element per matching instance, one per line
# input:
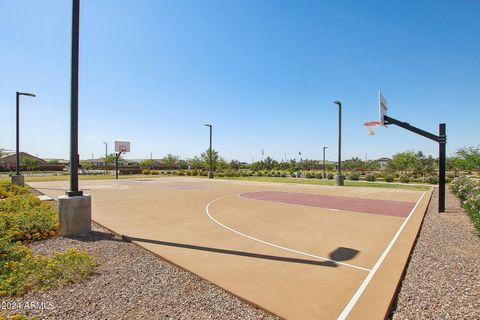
<point x="235" y="165"/>
<point x="355" y="164"/>
<point x="53" y="161"/>
<point x="196" y="163"/>
<point x="221" y="164"/>
<point x="403" y="161"/>
<point x="110" y="159"/>
<point x="170" y="161"/>
<point x="269" y="163"/>
<point x="456" y="164"/>
<point x="30" y="163"/>
<point x="205" y="157"/>
<point x="371" y="165"/>
<point x="471" y="156"/>
<point x="148" y="163"/>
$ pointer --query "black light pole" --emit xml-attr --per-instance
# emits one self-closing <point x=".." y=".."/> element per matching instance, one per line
<point x="74" y="157"/>
<point x="210" y="170"/>
<point x="106" y="153"/>
<point x="339" y="177"/>
<point x="17" y="156"/>
<point x="324" y="172"/>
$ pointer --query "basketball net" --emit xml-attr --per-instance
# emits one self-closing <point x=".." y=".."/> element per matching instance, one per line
<point x="372" y="127"/>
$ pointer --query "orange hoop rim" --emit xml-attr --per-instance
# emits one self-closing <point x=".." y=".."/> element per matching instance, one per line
<point x="372" y="123"/>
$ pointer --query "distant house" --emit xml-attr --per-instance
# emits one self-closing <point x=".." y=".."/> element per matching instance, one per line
<point x="383" y="162"/>
<point x="8" y="162"/>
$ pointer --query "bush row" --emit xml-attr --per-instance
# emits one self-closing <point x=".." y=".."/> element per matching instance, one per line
<point x="468" y="190"/>
<point x="354" y="176"/>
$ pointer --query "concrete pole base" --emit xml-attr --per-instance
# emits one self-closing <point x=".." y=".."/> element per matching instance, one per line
<point x="19" y="180"/>
<point x="75" y="215"/>
<point x="339" y="180"/>
<point x="210" y="174"/>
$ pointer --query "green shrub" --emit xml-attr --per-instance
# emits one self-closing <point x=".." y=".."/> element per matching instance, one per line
<point x="404" y="179"/>
<point x="370" y="177"/>
<point x="26" y="218"/>
<point x="310" y="175"/>
<point x="354" y="176"/>
<point x="431" y="180"/>
<point x="330" y="176"/>
<point x="154" y="173"/>
<point x="468" y="191"/>
<point x="145" y="171"/>
<point x="389" y="178"/>
<point x="318" y="175"/>
<point x="462" y="187"/>
<point x="21" y="272"/>
<point x="259" y="174"/>
<point x="8" y="189"/>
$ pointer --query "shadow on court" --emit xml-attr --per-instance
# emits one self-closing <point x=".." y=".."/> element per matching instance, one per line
<point x="340" y="254"/>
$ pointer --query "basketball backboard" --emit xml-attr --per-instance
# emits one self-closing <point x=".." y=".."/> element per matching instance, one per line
<point x="382" y="106"/>
<point x="122" y="146"/>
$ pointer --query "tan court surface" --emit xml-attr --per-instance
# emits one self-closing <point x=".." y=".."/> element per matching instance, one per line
<point x="258" y="241"/>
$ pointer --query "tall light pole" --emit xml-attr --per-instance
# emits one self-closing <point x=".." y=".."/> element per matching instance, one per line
<point x="210" y="170"/>
<point x="74" y="157"/>
<point x="18" y="179"/>
<point x="106" y="154"/>
<point x="324" y="164"/>
<point x="75" y="208"/>
<point x="339" y="177"/>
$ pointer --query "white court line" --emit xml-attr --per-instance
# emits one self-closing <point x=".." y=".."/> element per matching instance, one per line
<point x="272" y="244"/>
<point x="372" y="272"/>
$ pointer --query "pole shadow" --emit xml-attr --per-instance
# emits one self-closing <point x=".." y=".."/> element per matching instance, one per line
<point x="340" y="254"/>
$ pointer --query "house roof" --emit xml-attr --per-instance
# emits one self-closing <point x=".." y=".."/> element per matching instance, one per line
<point x="23" y="155"/>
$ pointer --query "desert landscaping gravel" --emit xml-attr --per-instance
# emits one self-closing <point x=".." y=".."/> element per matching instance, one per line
<point x="442" y="280"/>
<point x="131" y="283"/>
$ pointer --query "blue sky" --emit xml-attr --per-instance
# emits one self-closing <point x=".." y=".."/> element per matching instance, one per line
<point x="264" y="73"/>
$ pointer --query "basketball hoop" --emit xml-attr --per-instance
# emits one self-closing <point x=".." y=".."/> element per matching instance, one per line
<point x="372" y="127"/>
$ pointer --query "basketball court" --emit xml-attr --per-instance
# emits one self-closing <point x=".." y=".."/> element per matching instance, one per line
<point x="298" y="251"/>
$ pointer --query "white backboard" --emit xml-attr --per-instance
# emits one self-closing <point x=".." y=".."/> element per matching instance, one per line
<point x="382" y="107"/>
<point x="122" y="146"/>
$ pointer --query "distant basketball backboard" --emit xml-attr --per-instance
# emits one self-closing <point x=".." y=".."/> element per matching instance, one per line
<point x="382" y="106"/>
<point x="122" y="146"/>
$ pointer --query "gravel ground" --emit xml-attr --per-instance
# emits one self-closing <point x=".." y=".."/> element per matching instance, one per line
<point x="443" y="277"/>
<point x="132" y="283"/>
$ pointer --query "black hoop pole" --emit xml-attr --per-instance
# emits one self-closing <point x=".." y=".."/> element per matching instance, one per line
<point x="441" y="139"/>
